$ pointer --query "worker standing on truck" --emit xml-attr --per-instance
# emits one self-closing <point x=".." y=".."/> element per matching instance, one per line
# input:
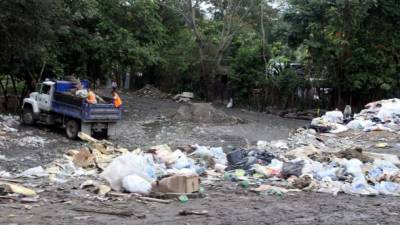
<point x="114" y="84"/>
<point x="117" y="99"/>
<point x="91" y="97"/>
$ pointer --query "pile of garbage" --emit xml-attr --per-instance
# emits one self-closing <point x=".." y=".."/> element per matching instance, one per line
<point x="292" y="113"/>
<point x="158" y="170"/>
<point x="383" y="115"/>
<point x="8" y="122"/>
<point x="307" y="168"/>
<point x="150" y="91"/>
<point x="9" y="134"/>
<point x="309" y="160"/>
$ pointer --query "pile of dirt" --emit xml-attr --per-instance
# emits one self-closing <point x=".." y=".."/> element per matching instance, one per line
<point x="203" y="113"/>
<point x="151" y="91"/>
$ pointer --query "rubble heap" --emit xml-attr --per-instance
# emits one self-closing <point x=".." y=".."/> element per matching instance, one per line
<point x="150" y="91"/>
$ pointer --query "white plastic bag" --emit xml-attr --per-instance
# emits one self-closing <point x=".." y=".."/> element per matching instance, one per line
<point x="34" y="172"/>
<point x="219" y="155"/>
<point x="279" y="144"/>
<point x="181" y="160"/>
<point x="127" y="164"/>
<point x="359" y="124"/>
<point x="202" y="151"/>
<point x="136" y="184"/>
<point x="389" y="108"/>
<point x="388" y="188"/>
<point x="359" y="186"/>
<point x="353" y="167"/>
<point x="338" y="128"/>
<point x="262" y="144"/>
<point x="333" y="116"/>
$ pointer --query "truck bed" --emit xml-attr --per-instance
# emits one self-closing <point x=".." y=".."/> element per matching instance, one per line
<point x="78" y="108"/>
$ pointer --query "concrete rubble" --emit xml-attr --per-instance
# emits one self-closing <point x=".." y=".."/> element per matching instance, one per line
<point x="151" y="91"/>
<point x="184" y="97"/>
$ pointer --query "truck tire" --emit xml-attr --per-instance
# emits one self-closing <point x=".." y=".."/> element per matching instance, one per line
<point x="72" y="129"/>
<point x="27" y="116"/>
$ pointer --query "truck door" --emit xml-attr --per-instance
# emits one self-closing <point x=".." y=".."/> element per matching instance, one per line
<point x="44" y="97"/>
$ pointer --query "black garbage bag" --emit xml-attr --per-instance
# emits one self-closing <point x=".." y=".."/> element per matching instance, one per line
<point x="235" y="156"/>
<point x="263" y="157"/>
<point x="292" y="168"/>
<point x="245" y="159"/>
<point x="321" y="129"/>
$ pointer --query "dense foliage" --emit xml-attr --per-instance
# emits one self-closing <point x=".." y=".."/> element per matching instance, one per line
<point x="262" y="53"/>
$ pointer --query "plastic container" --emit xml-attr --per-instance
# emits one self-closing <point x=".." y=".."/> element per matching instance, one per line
<point x="63" y="86"/>
<point x="85" y="84"/>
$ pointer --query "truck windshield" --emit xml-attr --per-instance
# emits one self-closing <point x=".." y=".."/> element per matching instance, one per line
<point x="46" y="89"/>
<point x="38" y="87"/>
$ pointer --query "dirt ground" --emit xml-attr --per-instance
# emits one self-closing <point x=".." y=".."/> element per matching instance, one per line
<point x="147" y="122"/>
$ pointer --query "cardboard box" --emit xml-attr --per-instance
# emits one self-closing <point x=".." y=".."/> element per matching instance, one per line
<point x="178" y="184"/>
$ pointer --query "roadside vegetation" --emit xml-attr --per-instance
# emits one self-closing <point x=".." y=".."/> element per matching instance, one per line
<point x="286" y="54"/>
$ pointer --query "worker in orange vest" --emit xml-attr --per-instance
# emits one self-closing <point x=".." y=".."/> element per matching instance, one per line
<point x="91" y="97"/>
<point x="117" y="99"/>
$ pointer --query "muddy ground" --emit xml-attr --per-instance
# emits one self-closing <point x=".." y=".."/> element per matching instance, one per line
<point x="146" y="122"/>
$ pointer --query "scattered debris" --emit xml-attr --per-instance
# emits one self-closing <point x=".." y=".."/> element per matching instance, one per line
<point x="270" y="188"/>
<point x="127" y="213"/>
<point x="34" y="172"/>
<point x="17" y="189"/>
<point x="183" y="198"/>
<point x="189" y="212"/>
<point x="154" y="200"/>
<point x="33" y="141"/>
<point x="83" y="158"/>
<point x="150" y="91"/>
<point x="323" y="159"/>
<point x="184" y="97"/>
<point x="178" y="184"/>
<point x="353" y="153"/>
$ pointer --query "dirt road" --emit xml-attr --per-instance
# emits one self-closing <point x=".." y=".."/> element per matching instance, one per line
<point x="147" y="122"/>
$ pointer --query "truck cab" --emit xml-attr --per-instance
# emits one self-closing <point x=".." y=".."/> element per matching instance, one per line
<point x="54" y="102"/>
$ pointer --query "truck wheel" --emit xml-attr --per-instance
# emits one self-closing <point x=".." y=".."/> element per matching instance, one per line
<point x="27" y="116"/>
<point x="72" y="129"/>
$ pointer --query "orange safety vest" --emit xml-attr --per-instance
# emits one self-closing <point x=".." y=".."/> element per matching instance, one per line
<point x="91" y="98"/>
<point x="117" y="101"/>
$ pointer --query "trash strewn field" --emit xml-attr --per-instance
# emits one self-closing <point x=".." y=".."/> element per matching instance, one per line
<point x="314" y="176"/>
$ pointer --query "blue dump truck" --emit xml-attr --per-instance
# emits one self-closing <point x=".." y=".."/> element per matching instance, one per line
<point x="55" y="103"/>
